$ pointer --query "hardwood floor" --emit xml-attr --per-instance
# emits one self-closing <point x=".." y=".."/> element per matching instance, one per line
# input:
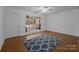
<point x="68" y="43"/>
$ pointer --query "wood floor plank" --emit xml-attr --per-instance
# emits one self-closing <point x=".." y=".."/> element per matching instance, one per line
<point x="68" y="43"/>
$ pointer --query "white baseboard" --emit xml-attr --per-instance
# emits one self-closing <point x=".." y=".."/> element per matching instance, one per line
<point x="66" y="33"/>
<point x="1" y="45"/>
<point x="30" y="32"/>
<point x="0" y="48"/>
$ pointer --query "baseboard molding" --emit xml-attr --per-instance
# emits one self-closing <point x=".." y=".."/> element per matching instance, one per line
<point x="12" y="37"/>
<point x="63" y="33"/>
<point x="1" y="45"/>
<point x="29" y="33"/>
<point x="25" y="34"/>
<point x="0" y="48"/>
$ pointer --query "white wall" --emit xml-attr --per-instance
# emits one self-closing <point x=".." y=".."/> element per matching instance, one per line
<point x="14" y="20"/>
<point x="11" y="25"/>
<point x="64" y="22"/>
<point x="1" y="27"/>
<point x="77" y="24"/>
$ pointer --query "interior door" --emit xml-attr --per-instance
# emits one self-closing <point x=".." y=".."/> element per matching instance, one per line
<point x="12" y="25"/>
<point x="1" y="27"/>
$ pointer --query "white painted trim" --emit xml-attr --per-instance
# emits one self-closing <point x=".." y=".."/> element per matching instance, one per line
<point x="0" y="48"/>
<point x="66" y="33"/>
<point x="1" y="44"/>
<point x="31" y="32"/>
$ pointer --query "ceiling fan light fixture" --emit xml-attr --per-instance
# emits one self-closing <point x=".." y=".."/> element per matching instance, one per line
<point x="44" y="10"/>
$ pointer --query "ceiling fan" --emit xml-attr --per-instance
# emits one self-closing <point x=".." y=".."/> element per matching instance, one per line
<point x="44" y="9"/>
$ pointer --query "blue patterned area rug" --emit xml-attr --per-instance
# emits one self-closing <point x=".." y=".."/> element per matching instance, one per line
<point x="43" y="43"/>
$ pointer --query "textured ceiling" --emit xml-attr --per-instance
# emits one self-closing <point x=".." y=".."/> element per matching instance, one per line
<point x="55" y="9"/>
